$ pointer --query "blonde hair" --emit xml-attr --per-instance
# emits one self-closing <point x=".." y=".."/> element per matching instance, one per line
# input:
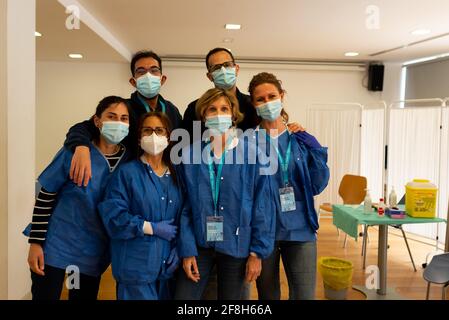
<point x="214" y="94"/>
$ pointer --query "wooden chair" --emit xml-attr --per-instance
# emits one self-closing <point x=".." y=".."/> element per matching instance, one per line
<point x="352" y="190"/>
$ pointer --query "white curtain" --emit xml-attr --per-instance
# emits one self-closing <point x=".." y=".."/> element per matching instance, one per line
<point x="372" y="150"/>
<point x="444" y="177"/>
<point x="414" y="152"/>
<point x="337" y="128"/>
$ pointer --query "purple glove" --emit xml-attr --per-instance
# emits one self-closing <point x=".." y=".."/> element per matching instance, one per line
<point x="308" y="139"/>
<point x="164" y="229"/>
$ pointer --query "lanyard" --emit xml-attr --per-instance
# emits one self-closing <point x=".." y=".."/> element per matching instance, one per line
<point x="283" y="161"/>
<point x="215" y="179"/>
<point x="147" y="107"/>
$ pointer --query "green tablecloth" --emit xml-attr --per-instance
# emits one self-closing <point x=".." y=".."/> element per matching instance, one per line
<point x="347" y="218"/>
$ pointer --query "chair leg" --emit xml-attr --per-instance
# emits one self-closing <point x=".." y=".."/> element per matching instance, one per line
<point x="428" y="290"/>
<point x="346" y="239"/>
<point x="338" y="231"/>
<point x="365" y="239"/>
<point x="408" y="248"/>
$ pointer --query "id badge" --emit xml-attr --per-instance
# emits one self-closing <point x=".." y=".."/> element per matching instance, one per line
<point x="214" y="227"/>
<point x="287" y="196"/>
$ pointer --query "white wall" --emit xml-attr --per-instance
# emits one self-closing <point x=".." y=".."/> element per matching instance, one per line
<point x="429" y="80"/>
<point x="69" y="92"/>
<point x="17" y="144"/>
<point x="3" y="159"/>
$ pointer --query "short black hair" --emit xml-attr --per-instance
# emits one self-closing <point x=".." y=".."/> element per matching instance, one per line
<point x="144" y="54"/>
<point x="215" y="50"/>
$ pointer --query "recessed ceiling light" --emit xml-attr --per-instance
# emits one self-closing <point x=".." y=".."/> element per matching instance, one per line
<point x="76" y="56"/>
<point x="228" y="40"/>
<point x="37" y="34"/>
<point x="231" y="26"/>
<point x="420" y="32"/>
<point x="351" y="54"/>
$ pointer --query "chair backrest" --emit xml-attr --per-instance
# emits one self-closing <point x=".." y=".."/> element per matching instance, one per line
<point x="352" y="189"/>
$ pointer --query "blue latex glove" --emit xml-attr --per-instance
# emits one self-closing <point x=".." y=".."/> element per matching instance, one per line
<point x="308" y="139"/>
<point x="164" y="229"/>
<point x="172" y="261"/>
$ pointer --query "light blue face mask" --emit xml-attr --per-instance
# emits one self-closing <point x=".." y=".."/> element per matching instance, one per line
<point x="219" y="124"/>
<point x="270" y="110"/>
<point x="224" y="78"/>
<point x="114" y="131"/>
<point x="148" y="85"/>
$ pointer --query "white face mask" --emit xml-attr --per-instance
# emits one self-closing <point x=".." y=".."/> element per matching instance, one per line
<point x="154" y="144"/>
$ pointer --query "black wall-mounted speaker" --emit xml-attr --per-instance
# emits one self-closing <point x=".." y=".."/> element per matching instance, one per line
<point x="376" y="77"/>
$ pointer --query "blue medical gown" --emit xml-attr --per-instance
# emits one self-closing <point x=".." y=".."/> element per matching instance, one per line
<point x="308" y="175"/>
<point x="244" y="203"/>
<point x="76" y="235"/>
<point x="135" y="194"/>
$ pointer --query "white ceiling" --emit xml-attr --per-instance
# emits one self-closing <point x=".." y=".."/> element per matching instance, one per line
<point x="283" y="29"/>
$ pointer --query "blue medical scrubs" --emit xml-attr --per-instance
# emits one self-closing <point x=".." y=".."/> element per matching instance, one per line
<point x="136" y="194"/>
<point x="308" y="174"/>
<point x="76" y="235"/>
<point x="243" y="202"/>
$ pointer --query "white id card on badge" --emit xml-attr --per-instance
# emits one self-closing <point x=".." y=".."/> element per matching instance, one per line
<point x="214" y="227"/>
<point x="287" y="196"/>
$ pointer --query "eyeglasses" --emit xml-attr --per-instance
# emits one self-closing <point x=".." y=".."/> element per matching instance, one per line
<point x="227" y="64"/>
<point x="160" y="131"/>
<point x="155" y="71"/>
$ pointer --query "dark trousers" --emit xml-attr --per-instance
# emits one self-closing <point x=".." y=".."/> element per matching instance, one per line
<point x="49" y="286"/>
<point x="210" y="293"/>
<point x="299" y="260"/>
<point x="230" y="277"/>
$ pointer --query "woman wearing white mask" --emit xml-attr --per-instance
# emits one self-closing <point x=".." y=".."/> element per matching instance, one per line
<point x="224" y="221"/>
<point x="66" y="228"/>
<point x="302" y="173"/>
<point x="140" y="212"/>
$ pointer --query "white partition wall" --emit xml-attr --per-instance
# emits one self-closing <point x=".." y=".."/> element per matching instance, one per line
<point x="337" y="126"/>
<point x="372" y="148"/>
<point x="414" y="149"/>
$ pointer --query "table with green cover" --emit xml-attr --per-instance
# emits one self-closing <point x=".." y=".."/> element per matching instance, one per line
<point x="349" y="217"/>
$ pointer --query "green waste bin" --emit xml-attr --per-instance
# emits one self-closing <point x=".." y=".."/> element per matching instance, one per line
<point x="337" y="276"/>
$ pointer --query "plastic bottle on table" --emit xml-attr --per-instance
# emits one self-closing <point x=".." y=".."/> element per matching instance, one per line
<point x="367" y="203"/>
<point x="381" y="208"/>
<point x="392" y="199"/>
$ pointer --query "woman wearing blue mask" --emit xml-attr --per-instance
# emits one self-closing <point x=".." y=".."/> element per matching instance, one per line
<point x="224" y="221"/>
<point x="141" y="213"/>
<point x="301" y="173"/>
<point x="66" y="232"/>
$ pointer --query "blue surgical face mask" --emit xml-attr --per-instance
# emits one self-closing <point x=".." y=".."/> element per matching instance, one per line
<point x="270" y="110"/>
<point x="219" y="124"/>
<point x="148" y="85"/>
<point x="114" y="131"/>
<point x="224" y="78"/>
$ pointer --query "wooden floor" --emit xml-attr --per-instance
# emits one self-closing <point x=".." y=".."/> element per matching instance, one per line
<point x="407" y="283"/>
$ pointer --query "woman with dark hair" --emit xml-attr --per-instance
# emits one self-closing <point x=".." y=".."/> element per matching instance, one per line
<point x="302" y="173"/>
<point x="140" y="212"/>
<point x="66" y="231"/>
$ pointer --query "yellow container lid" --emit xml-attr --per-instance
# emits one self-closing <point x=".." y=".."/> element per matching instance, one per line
<point x="421" y="184"/>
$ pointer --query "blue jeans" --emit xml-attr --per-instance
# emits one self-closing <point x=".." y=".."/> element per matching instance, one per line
<point x="230" y="277"/>
<point x="299" y="259"/>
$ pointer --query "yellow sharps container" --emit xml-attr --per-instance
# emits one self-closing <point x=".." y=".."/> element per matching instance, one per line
<point x="420" y="199"/>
